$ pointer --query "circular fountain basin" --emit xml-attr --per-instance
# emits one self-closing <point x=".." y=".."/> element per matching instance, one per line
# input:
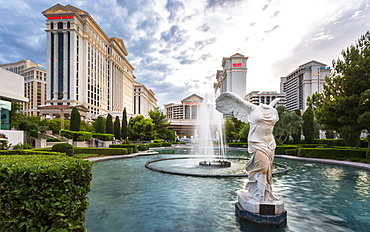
<point x="216" y="163"/>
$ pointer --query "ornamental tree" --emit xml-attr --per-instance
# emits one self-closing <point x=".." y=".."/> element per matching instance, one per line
<point x="75" y="120"/>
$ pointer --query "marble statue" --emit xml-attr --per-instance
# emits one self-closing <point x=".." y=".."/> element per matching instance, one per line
<point x="261" y="142"/>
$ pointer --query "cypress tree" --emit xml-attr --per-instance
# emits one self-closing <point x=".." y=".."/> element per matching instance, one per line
<point x="124" y="125"/>
<point x="308" y="126"/>
<point x="297" y="136"/>
<point x="75" y="120"/>
<point x="99" y="125"/>
<point x="117" y="128"/>
<point x="109" y="124"/>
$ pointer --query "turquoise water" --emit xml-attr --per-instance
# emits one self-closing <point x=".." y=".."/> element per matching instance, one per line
<point x="125" y="196"/>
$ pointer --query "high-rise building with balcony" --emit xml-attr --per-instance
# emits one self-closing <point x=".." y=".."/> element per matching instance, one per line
<point x="307" y="79"/>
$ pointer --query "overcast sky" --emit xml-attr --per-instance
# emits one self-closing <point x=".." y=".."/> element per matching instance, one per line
<point x="176" y="46"/>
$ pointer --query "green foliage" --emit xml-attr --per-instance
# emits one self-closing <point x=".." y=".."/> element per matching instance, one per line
<point x="54" y="124"/>
<point x="243" y="134"/>
<point x="132" y="146"/>
<point x="346" y="94"/>
<point x="289" y="123"/>
<point x="160" y="123"/>
<point x="86" y="127"/>
<point x="297" y="134"/>
<point x="104" y="137"/>
<point x="143" y="147"/>
<point x="75" y="122"/>
<point x="331" y="153"/>
<point x="109" y="125"/>
<point x="234" y="144"/>
<point x="117" y="128"/>
<point x="63" y="147"/>
<point x="140" y="128"/>
<point x="29" y="152"/>
<point x="76" y="135"/>
<point x="330" y="142"/>
<point x="99" y="125"/>
<point x="101" y="151"/>
<point x="21" y="146"/>
<point x="30" y="128"/>
<point x="170" y="136"/>
<point x="4" y="144"/>
<point x="166" y="144"/>
<point x="16" y="114"/>
<point x="124" y="129"/>
<point x="232" y="128"/>
<point x="53" y="140"/>
<point x="155" y="144"/>
<point x="308" y="125"/>
<point x="43" y="193"/>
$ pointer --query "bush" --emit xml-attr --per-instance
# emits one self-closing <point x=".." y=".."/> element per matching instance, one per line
<point x="331" y="142"/>
<point x="282" y="149"/>
<point x="331" y="153"/>
<point x="76" y="135"/>
<point x="166" y="144"/>
<point x="29" y="152"/>
<point x="143" y="147"/>
<point x="101" y="151"/>
<point x="237" y="144"/>
<point x="63" y="147"/>
<point x="53" y="140"/>
<point x="43" y="193"/>
<point x="104" y="137"/>
<point x="20" y="146"/>
<point x="155" y="144"/>
<point x="129" y="147"/>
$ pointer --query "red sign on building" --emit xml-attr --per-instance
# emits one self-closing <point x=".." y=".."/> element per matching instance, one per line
<point x="60" y="17"/>
<point x="237" y="65"/>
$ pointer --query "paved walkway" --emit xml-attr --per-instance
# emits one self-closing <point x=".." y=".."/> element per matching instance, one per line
<point x="315" y="160"/>
<point x="327" y="161"/>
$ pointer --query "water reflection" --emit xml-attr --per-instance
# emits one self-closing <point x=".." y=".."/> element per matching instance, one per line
<point x="125" y="196"/>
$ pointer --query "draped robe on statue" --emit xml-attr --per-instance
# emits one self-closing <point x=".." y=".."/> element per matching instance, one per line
<point x="261" y="142"/>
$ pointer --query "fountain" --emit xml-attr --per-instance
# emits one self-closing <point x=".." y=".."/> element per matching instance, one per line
<point x="210" y="122"/>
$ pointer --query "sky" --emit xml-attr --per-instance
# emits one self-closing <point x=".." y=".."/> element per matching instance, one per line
<point x="177" y="46"/>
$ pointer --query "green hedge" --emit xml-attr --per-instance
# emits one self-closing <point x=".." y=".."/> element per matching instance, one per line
<point x="63" y="147"/>
<point x="28" y="152"/>
<point x="76" y="135"/>
<point x="43" y="193"/>
<point x="143" y="147"/>
<point x="238" y="144"/>
<point x="155" y="144"/>
<point x="332" y="153"/>
<point x="104" y="151"/>
<point x="166" y="144"/>
<point x="53" y="140"/>
<point x="133" y="147"/>
<point x="330" y="142"/>
<point x="282" y="149"/>
<point x="104" y="137"/>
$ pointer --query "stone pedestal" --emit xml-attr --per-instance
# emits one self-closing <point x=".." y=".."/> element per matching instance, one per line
<point x="269" y="214"/>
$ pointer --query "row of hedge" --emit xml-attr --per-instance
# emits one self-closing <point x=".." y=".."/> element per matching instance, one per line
<point x="84" y="135"/>
<point x="43" y="192"/>
<point x="28" y="152"/>
<point x="332" y="142"/>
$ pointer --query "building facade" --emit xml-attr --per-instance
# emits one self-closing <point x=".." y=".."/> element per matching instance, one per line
<point x="144" y="100"/>
<point x="11" y="90"/>
<point x="84" y="65"/>
<point x="257" y="97"/>
<point x="307" y="79"/>
<point x="233" y="76"/>
<point x="34" y="84"/>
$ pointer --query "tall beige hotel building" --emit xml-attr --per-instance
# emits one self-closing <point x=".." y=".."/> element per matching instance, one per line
<point x="84" y="65"/>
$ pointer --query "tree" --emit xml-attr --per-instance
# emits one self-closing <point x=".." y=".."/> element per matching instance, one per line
<point x="297" y="136"/>
<point x="244" y="132"/>
<point x="99" y="125"/>
<point x="124" y="125"/>
<point x="16" y="114"/>
<point x="117" y="128"/>
<point x="340" y="105"/>
<point x="109" y="125"/>
<point x="289" y="123"/>
<point x="140" y="128"/>
<point x="232" y="128"/>
<point x="160" y="123"/>
<point x="75" y="122"/>
<point x="308" y="126"/>
<point x="54" y="124"/>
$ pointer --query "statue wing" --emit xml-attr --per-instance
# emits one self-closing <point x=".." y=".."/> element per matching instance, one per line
<point x="230" y="103"/>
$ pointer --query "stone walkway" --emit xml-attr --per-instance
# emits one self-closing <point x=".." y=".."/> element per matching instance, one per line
<point x="327" y="161"/>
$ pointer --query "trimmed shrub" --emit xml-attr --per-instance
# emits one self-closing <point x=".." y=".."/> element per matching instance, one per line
<point x="330" y="142"/>
<point x="155" y="144"/>
<point x="63" y="147"/>
<point x="133" y="147"/>
<point x="104" y="137"/>
<point x="53" y="140"/>
<point x="237" y="144"/>
<point x="101" y="151"/>
<point x="43" y="193"/>
<point x="281" y="149"/>
<point x="76" y="135"/>
<point x="75" y="121"/>
<point x="332" y="153"/>
<point x="143" y="147"/>
<point x="166" y="144"/>
<point x="29" y="152"/>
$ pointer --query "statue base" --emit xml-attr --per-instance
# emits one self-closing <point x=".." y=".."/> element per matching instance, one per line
<point x="268" y="214"/>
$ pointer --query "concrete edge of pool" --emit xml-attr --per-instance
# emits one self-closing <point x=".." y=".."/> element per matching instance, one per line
<point x="315" y="160"/>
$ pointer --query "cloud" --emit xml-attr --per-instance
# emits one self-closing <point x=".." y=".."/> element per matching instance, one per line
<point x="175" y="8"/>
<point x="201" y="44"/>
<point x="204" y="27"/>
<point x="174" y="37"/>
<point x="272" y="29"/>
<point x="268" y="2"/>
<point x="222" y="3"/>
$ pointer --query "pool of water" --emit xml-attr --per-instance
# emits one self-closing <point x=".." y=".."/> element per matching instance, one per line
<point x="125" y="196"/>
